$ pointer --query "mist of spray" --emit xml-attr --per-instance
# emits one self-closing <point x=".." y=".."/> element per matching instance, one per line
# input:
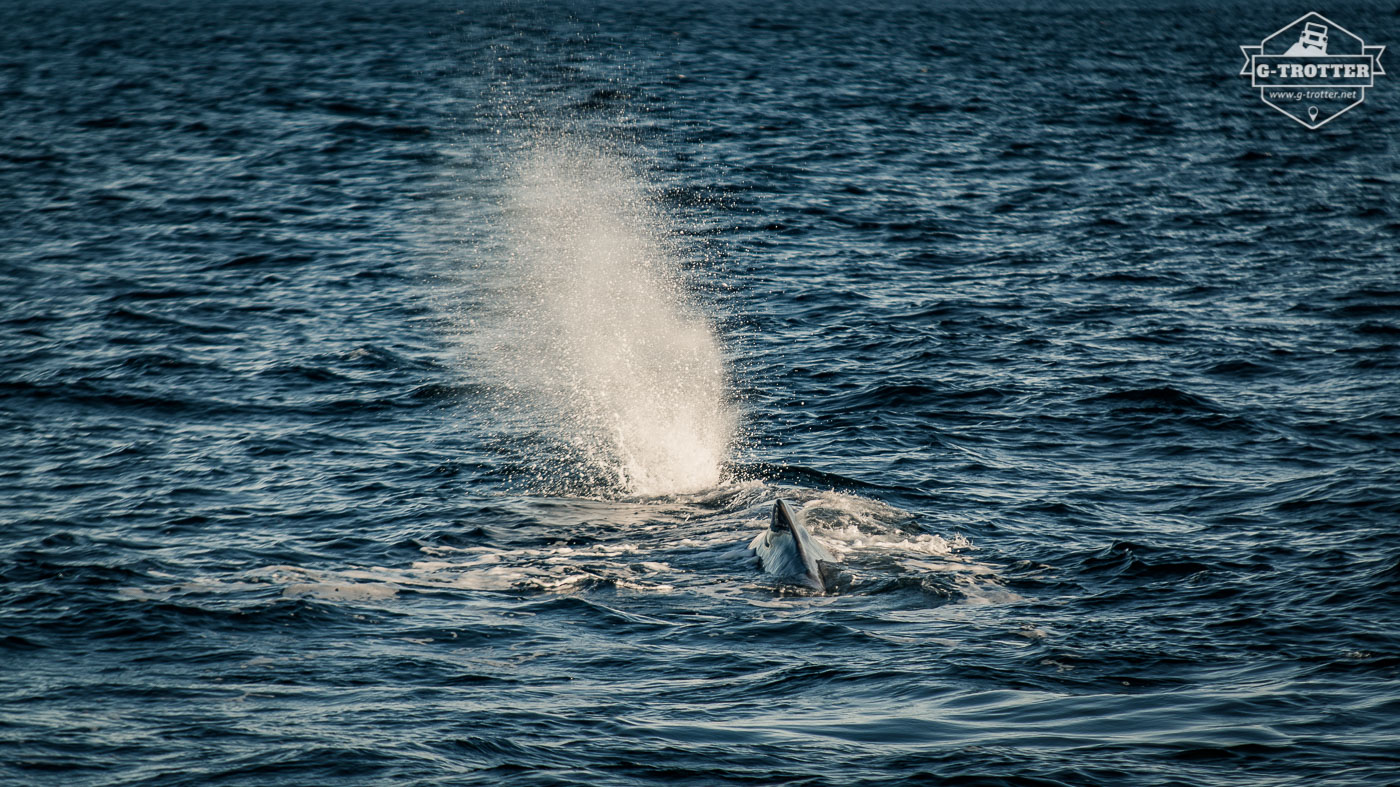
<point x="608" y="377"/>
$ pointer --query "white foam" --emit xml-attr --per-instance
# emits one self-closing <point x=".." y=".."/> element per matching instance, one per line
<point x="852" y="537"/>
<point x="655" y="546"/>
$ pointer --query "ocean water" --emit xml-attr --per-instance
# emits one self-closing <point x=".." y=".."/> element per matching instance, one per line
<point x="388" y="391"/>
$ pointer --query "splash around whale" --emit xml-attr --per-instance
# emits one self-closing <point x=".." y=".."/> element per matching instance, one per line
<point x="789" y="552"/>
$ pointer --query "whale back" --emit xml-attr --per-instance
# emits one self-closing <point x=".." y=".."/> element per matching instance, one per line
<point x="786" y="549"/>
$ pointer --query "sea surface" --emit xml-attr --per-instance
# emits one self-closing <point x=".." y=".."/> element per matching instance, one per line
<point x="388" y="391"/>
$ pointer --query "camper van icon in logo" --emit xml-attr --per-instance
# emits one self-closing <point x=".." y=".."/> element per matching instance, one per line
<point x="1312" y="43"/>
<point x="1312" y="69"/>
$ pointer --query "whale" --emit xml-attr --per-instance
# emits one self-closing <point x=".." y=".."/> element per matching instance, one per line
<point x="787" y="551"/>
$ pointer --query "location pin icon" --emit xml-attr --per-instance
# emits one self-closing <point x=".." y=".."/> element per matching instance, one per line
<point x="1312" y="113"/>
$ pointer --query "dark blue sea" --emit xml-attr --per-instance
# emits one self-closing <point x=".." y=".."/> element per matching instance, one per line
<point x="389" y="391"/>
